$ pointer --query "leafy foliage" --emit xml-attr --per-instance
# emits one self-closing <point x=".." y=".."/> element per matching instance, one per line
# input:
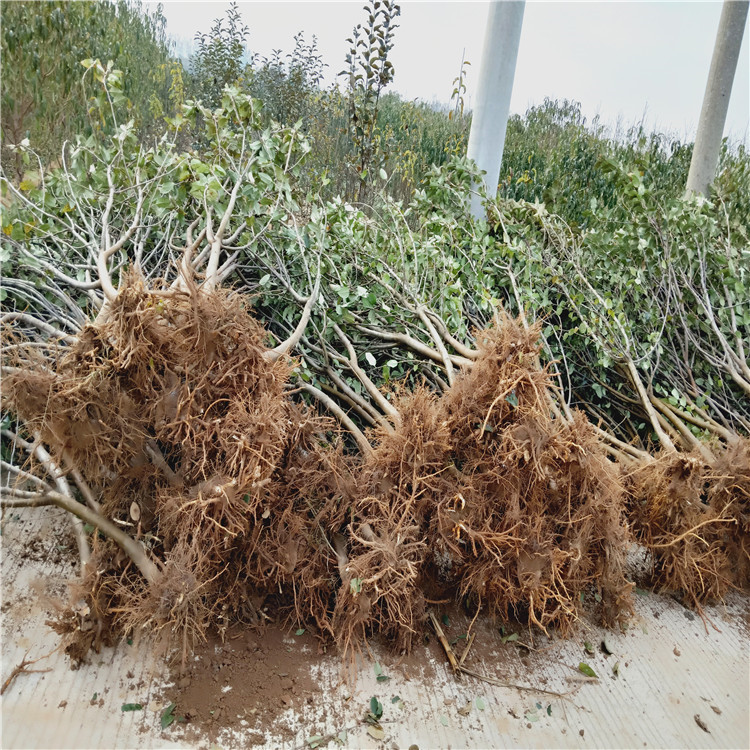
<point x="553" y="155"/>
<point x="42" y="45"/>
<point x="220" y="58"/>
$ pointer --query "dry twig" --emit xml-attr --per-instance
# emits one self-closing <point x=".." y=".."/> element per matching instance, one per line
<point x="21" y="669"/>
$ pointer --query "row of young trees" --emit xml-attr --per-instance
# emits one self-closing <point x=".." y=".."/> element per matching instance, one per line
<point x="43" y="45"/>
<point x="360" y="131"/>
<point x="45" y="92"/>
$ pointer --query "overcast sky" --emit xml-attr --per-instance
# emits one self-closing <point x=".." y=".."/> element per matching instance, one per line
<point x="622" y="60"/>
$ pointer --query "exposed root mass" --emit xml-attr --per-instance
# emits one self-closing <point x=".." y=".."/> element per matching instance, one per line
<point x="185" y="433"/>
<point x="694" y="520"/>
<point x="483" y="494"/>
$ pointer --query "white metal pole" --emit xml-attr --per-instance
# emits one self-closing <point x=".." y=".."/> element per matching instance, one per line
<point x="716" y="99"/>
<point x="492" y="100"/>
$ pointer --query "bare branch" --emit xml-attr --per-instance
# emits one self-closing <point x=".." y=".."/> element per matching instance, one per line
<point x="665" y="440"/>
<point x="40" y="324"/>
<point x="415" y="345"/>
<point x="341" y="415"/>
<point x="216" y="239"/>
<point x="285" y="346"/>
<point x="372" y="389"/>
<point x="463" y="350"/>
<point x="132" y="548"/>
<point x="24" y="475"/>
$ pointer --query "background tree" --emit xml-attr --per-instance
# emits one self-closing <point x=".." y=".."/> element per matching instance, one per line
<point x="220" y="57"/>
<point x="369" y="72"/>
<point x="289" y="85"/>
<point x="42" y="46"/>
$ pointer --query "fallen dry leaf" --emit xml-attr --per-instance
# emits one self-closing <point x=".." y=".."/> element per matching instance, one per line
<point x="375" y="732"/>
<point x="701" y="723"/>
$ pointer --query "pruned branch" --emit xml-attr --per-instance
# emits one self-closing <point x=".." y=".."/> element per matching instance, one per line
<point x="362" y="442"/>
<point x="16" y="498"/>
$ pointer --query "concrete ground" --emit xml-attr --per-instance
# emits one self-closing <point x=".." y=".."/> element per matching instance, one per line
<point x="677" y="684"/>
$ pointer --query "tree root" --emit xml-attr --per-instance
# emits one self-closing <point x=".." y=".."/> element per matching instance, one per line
<point x="22" y="669"/>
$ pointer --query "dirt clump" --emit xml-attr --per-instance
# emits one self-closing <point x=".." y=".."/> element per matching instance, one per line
<point x="246" y="683"/>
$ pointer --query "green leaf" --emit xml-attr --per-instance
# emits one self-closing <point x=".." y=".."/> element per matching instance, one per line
<point x="355" y="585"/>
<point x="589" y="647"/>
<point x="509" y="638"/>
<point x="395" y="699"/>
<point x="444" y="721"/>
<point x="132" y="707"/>
<point x="446" y="620"/>
<point x="376" y="707"/>
<point x="315" y="740"/>
<point x="479" y="702"/>
<point x="167" y="715"/>
<point x="299" y="631"/>
<point x="586" y="669"/>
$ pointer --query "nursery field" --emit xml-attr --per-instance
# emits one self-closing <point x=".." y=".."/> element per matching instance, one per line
<point x="301" y="446"/>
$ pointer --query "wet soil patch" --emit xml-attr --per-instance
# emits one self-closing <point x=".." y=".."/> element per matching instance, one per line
<point x="241" y="691"/>
<point x="246" y="683"/>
